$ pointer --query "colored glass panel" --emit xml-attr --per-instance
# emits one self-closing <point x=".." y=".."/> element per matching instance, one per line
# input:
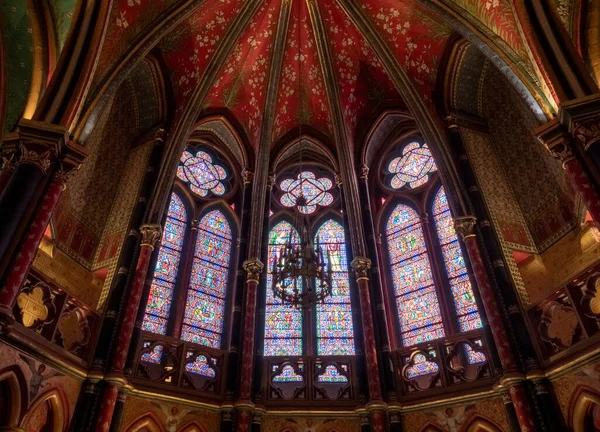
<point x="335" y="331"/>
<point x="332" y="375"/>
<point x="205" y="304"/>
<point x="460" y="285"/>
<point x="199" y="366"/>
<point x="421" y="366"/>
<point x="167" y="265"/>
<point x="313" y="190"/>
<point x="416" y="298"/>
<point x="283" y="324"/>
<point x="413" y="167"/>
<point x="288" y="374"/>
<point x="202" y="175"/>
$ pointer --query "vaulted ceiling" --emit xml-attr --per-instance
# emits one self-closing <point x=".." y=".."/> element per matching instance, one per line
<point x="281" y="46"/>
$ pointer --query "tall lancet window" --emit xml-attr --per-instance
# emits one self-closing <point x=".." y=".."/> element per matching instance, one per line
<point x="324" y="329"/>
<point x="205" y="306"/>
<point x="283" y="324"/>
<point x="335" y="333"/>
<point x="426" y="264"/>
<point x="188" y="296"/>
<point x="167" y="267"/>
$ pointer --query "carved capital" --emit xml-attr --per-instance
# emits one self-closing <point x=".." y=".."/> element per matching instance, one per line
<point x="582" y="118"/>
<point x="338" y="180"/>
<point x="556" y="140"/>
<point x="9" y="156"/>
<point x="271" y="180"/>
<point x="361" y="267"/>
<point x="254" y="268"/>
<point x="151" y="234"/>
<point x="465" y="226"/>
<point x="364" y="172"/>
<point x="40" y="143"/>
<point x="247" y="176"/>
<point x="194" y="225"/>
<point x="160" y="136"/>
<point x="70" y="161"/>
<point x="451" y="122"/>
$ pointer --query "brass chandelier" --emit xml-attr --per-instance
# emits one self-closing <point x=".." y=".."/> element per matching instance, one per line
<point x="301" y="276"/>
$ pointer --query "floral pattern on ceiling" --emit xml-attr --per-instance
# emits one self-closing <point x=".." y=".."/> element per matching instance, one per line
<point x="363" y="83"/>
<point x="189" y="48"/>
<point x="62" y="12"/>
<point x="311" y="106"/>
<point x="242" y="84"/>
<point x="128" y="20"/>
<point x="498" y="17"/>
<point x="416" y="37"/>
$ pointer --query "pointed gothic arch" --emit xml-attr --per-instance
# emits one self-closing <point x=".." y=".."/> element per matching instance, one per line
<point x="583" y="403"/>
<point x="13" y="395"/>
<point x="57" y="406"/>
<point x="479" y="423"/>
<point x="192" y="426"/>
<point x="145" y="423"/>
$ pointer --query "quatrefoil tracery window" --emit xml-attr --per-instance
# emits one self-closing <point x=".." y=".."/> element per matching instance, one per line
<point x="313" y="189"/>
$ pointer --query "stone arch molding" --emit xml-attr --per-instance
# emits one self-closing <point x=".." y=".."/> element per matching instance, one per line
<point x="12" y="378"/>
<point x="582" y="402"/>
<point x="58" y="406"/>
<point x="145" y="423"/>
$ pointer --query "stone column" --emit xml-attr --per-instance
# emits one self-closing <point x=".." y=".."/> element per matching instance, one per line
<point x="395" y="421"/>
<point x="562" y="146"/>
<point x="244" y="405"/>
<point x="19" y="268"/>
<point x="238" y="292"/>
<point x="375" y="406"/>
<point x="465" y="227"/>
<point x="376" y="285"/>
<point x="39" y="145"/>
<point x="226" y="420"/>
<point x="151" y="234"/>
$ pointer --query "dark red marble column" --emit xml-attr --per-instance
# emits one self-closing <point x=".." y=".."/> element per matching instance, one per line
<point x="151" y="234"/>
<point x="19" y="268"/>
<point x="375" y="406"/>
<point x="254" y="268"/>
<point x="465" y="226"/>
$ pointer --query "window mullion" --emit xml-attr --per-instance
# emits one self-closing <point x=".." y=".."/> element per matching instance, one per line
<point x="182" y="282"/>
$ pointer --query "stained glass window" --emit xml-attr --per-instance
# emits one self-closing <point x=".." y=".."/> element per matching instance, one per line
<point x="332" y="375"/>
<point x="167" y="265"/>
<point x="413" y="167"/>
<point x="313" y="190"/>
<point x="335" y="333"/>
<point x="205" y="305"/>
<point x="416" y="298"/>
<point x="460" y="285"/>
<point x="201" y="173"/>
<point x="283" y="324"/>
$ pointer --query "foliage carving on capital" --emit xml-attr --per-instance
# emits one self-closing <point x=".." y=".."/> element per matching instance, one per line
<point x="465" y="226"/>
<point x="254" y="268"/>
<point x="338" y="180"/>
<point x="40" y="143"/>
<point x="271" y="180"/>
<point x="247" y="176"/>
<point x="557" y="141"/>
<point x="160" y="135"/>
<point x="70" y="162"/>
<point x="9" y="158"/>
<point x="587" y="132"/>
<point x="361" y="267"/>
<point x="151" y="234"/>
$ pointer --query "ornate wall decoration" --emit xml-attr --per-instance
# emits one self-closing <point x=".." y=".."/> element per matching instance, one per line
<point x="310" y="424"/>
<point x="74" y="330"/>
<point x="288" y="380"/>
<point x="559" y="325"/>
<point x="566" y="386"/>
<point x="35" y="305"/>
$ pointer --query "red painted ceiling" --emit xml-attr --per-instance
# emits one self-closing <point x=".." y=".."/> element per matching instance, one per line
<point x="414" y="36"/>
